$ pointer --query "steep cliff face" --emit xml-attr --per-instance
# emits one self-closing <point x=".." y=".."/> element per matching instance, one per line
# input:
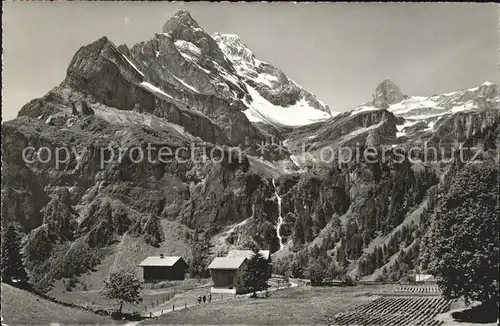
<point x="326" y="143"/>
<point x="23" y="197"/>
<point x="91" y="198"/>
<point x="101" y="77"/>
<point x="183" y="27"/>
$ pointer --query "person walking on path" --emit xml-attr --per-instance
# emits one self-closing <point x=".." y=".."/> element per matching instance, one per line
<point x="199" y="299"/>
<point x="204" y="299"/>
<point x="209" y="297"/>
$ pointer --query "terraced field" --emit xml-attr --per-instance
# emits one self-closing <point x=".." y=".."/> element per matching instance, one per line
<point x="388" y="311"/>
<point x="432" y="289"/>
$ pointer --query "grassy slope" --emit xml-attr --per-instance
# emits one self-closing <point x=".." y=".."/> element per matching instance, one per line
<point x="175" y="293"/>
<point x="21" y="307"/>
<point x="132" y="250"/>
<point x="297" y="306"/>
<point x="128" y="253"/>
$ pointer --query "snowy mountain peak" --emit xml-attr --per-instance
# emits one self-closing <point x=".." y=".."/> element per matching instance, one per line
<point x="234" y="49"/>
<point x="277" y="99"/>
<point x="427" y="113"/>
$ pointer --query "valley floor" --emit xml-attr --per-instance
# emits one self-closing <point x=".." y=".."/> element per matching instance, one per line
<point x="300" y="305"/>
<point x="294" y="306"/>
<point x="359" y="305"/>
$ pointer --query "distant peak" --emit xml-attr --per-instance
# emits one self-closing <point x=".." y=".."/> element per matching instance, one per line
<point x="103" y="40"/>
<point x="96" y="46"/>
<point x="387" y="83"/>
<point x="387" y="93"/>
<point x="183" y="20"/>
<point x="184" y="15"/>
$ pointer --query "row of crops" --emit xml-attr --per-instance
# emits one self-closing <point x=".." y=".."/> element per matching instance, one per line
<point x="419" y="289"/>
<point x="389" y="311"/>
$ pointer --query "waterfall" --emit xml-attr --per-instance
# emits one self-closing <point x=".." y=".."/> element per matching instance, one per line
<point x="280" y="218"/>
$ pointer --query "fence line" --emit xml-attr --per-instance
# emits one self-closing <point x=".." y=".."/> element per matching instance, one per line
<point x="196" y="303"/>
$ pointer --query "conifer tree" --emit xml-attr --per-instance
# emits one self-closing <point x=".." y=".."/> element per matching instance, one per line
<point x="256" y="273"/>
<point x="13" y="270"/>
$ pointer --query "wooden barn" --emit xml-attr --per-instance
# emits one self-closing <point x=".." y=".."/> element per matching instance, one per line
<point x="227" y="272"/>
<point x="163" y="268"/>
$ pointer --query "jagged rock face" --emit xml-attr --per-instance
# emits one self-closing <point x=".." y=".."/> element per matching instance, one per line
<point x="59" y="215"/>
<point x="419" y="126"/>
<point x="319" y="142"/>
<point x="162" y="60"/>
<point x="483" y="97"/>
<point x="101" y="221"/>
<point x="100" y="70"/>
<point x="382" y="198"/>
<point x="459" y="127"/>
<point x="183" y="27"/>
<point x="23" y="196"/>
<point x="227" y="196"/>
<point x="310" y="201"/>
<point x="448" y="119"/>
<point x="443" y="119"/>
<point x="82" y="108"/>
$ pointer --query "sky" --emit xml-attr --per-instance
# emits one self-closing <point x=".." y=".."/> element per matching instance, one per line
<point x="338" y="51"/>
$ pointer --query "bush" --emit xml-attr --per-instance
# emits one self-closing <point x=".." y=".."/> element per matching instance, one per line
<point x="348" y="280"/>
<point x="408" y="279"/>
<point x="383" y="277"/>
<point x="161" y="285"/>
<point x="135" y="316"/>
<point x="317" y="274"/>
<point x="70" y="285"/>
